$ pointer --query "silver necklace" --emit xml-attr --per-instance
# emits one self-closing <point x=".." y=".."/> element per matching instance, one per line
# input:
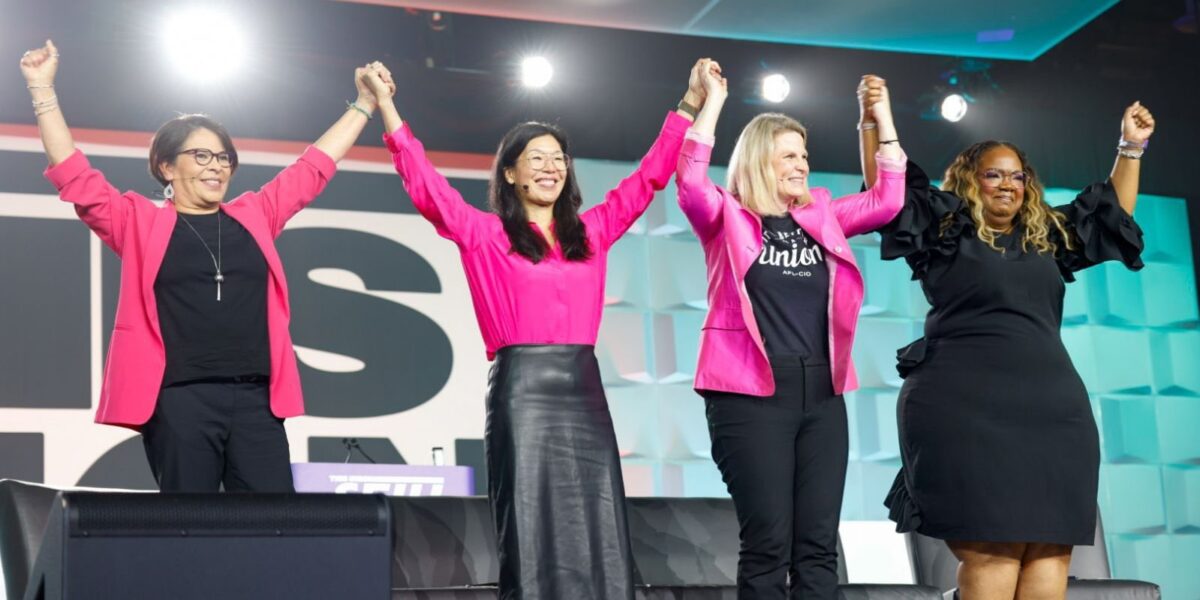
<point x="216" y="258"/>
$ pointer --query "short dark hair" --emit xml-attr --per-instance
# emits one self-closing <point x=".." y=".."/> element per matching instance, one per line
<point x="168" y="141"/>
<point x="502" y="196"/>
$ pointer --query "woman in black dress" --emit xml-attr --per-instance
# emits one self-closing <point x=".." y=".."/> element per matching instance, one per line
<point x="1000" y="450"/>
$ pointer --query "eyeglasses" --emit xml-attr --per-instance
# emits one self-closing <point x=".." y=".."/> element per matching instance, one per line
<point x="537" y="161"/>
<point x="204" y="156"/>
<point x="994" y="177"/>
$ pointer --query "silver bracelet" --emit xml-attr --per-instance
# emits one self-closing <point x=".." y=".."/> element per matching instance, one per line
<point x="48" y="86"/>
<point x="46" y="110"/>
<point x="1124" y="143"/>
<point x="46" y="102"/>
<point x="866" y="126"/>
<point x="1130" y="154"/>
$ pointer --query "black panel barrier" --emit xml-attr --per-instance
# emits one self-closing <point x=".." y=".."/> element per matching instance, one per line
<point x="131" y="545"/>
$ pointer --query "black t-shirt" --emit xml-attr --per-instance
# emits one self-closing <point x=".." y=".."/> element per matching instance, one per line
<point x="789" y="290"/>
<point x="206" y="338"/>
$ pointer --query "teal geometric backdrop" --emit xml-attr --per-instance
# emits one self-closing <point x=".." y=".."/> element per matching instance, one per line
<point x="1132" y="336"/>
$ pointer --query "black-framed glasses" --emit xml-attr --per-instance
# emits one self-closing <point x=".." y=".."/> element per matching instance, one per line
<point x="204" y="156"/>
<point x="994" y="177"/>
<point x="538" y="161"/>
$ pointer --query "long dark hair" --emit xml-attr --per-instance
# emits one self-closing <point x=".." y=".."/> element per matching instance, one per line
<point x="502" y="196"/>
<point x="169" y="140"/>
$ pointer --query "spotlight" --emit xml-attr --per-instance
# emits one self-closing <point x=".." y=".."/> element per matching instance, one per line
<point x="204" y="45"/>
<point x="775" y="88"/>
<point x="437" y="21"/>
<point x="954" y="108"/>
<point x="536" y="72"/>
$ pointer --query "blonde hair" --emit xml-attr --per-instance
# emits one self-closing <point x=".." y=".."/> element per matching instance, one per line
<point x="961" y="178"/>
<point x="750" y="178"/>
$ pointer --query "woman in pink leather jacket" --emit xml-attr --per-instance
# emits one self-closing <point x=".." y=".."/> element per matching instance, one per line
<point x="784" y="294"/>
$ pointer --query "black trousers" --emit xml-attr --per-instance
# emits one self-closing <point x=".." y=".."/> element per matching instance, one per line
<point x="205" y="434"/>
<point x="783" y="459"/>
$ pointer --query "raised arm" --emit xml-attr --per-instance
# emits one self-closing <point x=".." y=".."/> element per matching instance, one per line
<point x="340" y="137"/>
<point x="699" y="197"/>
<point x="624" y="204"/>
<point x="875" y="132"/>
<point x="885" y="164"/>
<point x="431" y="194"/>
<point x="39" y="67"/>
<point x="99" y="205"/>
<point x="300" y="183"/>
<point x="1137" y="125"/>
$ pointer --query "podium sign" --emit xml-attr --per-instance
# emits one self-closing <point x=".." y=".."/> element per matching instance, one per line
<point x="391" y="480"/>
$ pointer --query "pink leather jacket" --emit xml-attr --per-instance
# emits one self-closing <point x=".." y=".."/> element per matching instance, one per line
<point x="732" y="357"/>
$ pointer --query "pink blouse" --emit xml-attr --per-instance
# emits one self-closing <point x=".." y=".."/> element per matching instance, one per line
<point x="517" y="301"/>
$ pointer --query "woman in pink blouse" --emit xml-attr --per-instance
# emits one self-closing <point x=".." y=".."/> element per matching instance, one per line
<point x="200" y="361"/>
<point x="783" y="299"/>
<point x="536" y="266"/>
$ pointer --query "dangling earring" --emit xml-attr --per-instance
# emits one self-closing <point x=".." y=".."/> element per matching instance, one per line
<point x="169" y="192"/>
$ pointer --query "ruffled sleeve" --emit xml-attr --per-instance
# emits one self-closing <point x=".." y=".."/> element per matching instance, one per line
<point x="916" y="234"/>
<point x="1101" y="231"/>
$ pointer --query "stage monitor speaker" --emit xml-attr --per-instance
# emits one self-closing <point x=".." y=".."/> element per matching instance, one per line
<point x="181" y="546"/>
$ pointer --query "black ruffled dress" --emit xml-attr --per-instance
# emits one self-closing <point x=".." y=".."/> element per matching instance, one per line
<point x="997" y="436"/>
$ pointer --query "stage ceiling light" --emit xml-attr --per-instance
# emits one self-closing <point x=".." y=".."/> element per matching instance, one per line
<point x="204" y="45"/>
<point x="775" y="88"/>
<point x="536" y="72"/>
<point x="954" y="108"/>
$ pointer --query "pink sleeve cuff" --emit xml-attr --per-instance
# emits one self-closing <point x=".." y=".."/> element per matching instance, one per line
<point x="399" y="138"/>
<point x="703" y="138"/>
<point x="895" y="166"/>
<point x="62" y="173"/>
<point x="697" y="150"/>
<point x="675" y="123"/>
<point x="323" y="162"/>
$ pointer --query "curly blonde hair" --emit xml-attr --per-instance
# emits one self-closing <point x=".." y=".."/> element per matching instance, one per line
<point x="961" y="178"/>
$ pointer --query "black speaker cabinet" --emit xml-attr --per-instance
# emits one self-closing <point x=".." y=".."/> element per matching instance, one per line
<point x="214" y="546"/>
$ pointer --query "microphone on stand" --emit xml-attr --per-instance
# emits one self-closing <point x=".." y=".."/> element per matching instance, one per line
<point x="351" y="445"/>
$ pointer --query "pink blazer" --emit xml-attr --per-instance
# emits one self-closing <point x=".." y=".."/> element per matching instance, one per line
<point x="138" y="231"/>
<point x="732" y="357"/>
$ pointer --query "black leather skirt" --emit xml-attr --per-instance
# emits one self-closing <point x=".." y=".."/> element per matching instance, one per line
<point x="554" y="477"/>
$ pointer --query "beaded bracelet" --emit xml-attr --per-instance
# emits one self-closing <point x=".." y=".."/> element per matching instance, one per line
<point x="350" y="105"/>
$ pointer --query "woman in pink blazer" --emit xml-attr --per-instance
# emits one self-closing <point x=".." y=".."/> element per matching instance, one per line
<point x="783" y="295"/>
<point x="200" y="360"/>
